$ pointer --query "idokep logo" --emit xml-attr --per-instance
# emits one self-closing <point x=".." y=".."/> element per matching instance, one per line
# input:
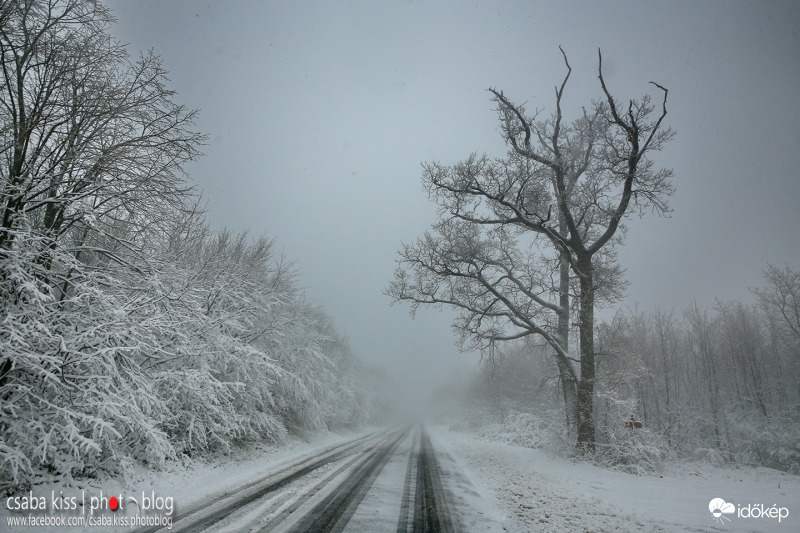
<point x="719" y="508"/>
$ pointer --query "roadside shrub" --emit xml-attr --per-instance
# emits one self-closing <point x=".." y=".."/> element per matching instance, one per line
<point x="772" y="441"/>
<point x="541" y="431"/>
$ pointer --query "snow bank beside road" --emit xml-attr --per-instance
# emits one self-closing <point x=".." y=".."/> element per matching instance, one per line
<point x="542" y="493"/>
<point x="187" y="486"/>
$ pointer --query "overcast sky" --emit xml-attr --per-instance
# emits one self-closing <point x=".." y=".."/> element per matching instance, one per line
<point x="320" y="113"/>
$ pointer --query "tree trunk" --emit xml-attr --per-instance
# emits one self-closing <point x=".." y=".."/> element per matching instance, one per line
<point x="567" y="382"/>
<point x="586" y="433"/>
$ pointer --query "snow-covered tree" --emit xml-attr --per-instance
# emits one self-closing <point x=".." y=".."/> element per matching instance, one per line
<point x="716" y="384"/>
<point x="129" y="330"/>
<point x="568" y="187"/>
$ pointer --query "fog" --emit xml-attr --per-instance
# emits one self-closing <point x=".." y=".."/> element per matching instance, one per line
<point x="399" y="266"/>
<point x="319" y="115"/>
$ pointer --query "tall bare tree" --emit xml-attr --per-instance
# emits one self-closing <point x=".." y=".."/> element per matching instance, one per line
<point x="570" y="185"/>
<point x="92" y="144"/>
<point x="87" y="131"/>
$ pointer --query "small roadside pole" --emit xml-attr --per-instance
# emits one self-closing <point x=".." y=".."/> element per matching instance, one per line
<point x="633" y="423"/>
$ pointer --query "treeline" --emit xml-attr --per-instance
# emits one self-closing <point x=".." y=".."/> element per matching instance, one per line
<point x="723" y="384"/>
<point x="129" y="330"/>
<point x="719" y="384"/>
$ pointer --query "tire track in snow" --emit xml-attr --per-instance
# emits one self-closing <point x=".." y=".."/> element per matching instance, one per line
<point x="308" y="494"/>
<point x="205" y="515"/>
<point x="405" y="503"/>
<point x="332" y="513"/>
<point x="431" y="513"/>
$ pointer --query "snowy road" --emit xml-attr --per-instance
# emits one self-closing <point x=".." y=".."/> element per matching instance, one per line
<point x="437" y="479"/>
<point x="391" y="480"/>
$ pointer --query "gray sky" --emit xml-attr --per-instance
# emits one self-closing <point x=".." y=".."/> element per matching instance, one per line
<point x="320" y="113"/>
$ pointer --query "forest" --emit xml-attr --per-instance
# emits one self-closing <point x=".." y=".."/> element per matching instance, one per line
<point x="525" y="253"/>
<point x="718" y="385"/>
<point x="131" y="332"/>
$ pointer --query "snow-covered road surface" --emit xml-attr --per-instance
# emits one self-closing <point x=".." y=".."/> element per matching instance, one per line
<point x="435" y="480"/>
<point x="387" y="481"/>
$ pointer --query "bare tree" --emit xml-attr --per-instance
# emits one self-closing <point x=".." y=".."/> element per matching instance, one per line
<point x="781" y="296"/>
<point x="571" y="185"/>
<point x="92" y="145"/>
<point x="719" y="384"/>
<point x="87" y="132"/>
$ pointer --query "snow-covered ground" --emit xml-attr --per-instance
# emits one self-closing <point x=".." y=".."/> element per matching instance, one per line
<point x="187" y="486"/>
<point x="536" y="492"/>
<point x="492" y="487"/>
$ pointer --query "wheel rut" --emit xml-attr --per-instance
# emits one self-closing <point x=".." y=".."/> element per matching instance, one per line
<point x="333" y="513"/>
<point x="431" y="512"/>
<point x="338" y="481"/>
